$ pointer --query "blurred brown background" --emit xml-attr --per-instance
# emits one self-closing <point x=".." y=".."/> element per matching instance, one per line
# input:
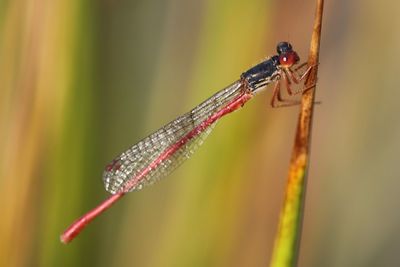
<point x="80" y="81"/>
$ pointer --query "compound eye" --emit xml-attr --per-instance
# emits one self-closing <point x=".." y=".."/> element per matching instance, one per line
<point x="283" y="47"/>
<point x="288" y="59"/>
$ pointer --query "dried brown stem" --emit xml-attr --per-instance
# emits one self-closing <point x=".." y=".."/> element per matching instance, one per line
<point x="287" y="241"/>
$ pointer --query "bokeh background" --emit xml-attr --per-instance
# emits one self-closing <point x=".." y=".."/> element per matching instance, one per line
<point x="82" y="80"/>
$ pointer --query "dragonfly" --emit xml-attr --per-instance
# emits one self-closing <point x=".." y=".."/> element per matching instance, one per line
<point x="157" y="155"/>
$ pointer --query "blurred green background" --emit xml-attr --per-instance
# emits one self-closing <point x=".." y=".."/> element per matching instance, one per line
<point x="80" y="81"/>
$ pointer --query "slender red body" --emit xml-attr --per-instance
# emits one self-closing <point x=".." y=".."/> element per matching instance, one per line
<point x="72" y="231"/>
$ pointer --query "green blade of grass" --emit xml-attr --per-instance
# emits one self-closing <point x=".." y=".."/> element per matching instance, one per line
<point x="287" y="241"/>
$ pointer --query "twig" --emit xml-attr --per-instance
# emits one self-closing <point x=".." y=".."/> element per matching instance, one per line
<point x="287" y="241"/>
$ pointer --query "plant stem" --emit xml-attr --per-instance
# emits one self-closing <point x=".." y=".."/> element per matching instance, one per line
<point x="287" y="241"/>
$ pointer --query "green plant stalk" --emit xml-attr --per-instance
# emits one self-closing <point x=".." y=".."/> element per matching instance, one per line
<point x="287" y="241"/>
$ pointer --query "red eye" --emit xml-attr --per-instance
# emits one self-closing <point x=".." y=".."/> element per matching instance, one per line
<point x="288" y="59"/>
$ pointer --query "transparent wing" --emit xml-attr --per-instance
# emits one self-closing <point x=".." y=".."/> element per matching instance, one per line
<point x="146" y="162"/>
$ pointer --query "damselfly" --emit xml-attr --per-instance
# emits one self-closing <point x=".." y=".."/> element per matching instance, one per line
<point x="160" y="153"/>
